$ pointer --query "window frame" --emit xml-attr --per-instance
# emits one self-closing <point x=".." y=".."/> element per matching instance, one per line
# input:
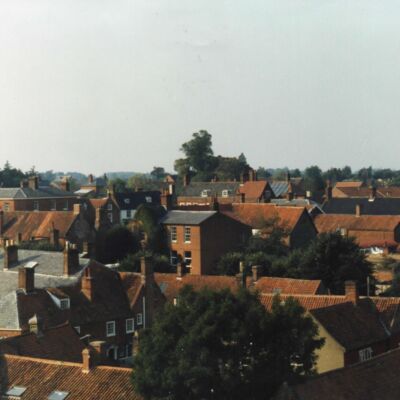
<point x="187" y="258"/>
<point x="365" y="354"/>
<point x="108" y="324"/>
<point x="173" y="258"/>
<point x="36" y="205"/>
<point x="139" y="319"/>
<point x="64" y="301"/>
<point x="187" y="236"/>
<point x="130" y="320"/>
<point x="173" y="232"/>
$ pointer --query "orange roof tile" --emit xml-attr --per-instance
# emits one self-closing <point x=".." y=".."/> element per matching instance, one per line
<point x="253" y="189"/>
<point x="267" y="284"/>
<point x="345" y="184"/>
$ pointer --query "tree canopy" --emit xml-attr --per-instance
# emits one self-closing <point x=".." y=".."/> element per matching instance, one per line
<point x="217" y="345"/>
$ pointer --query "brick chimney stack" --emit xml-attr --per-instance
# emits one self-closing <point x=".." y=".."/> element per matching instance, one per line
<point x="1" y="222"/>
<point x="10" y="255"/>
<point x="351" y="292"/>
<point x="252" y="175"/>
<point x="328" y="190"/>
<point x="55" y="237"/>
<point x="77" y="208"/>
<point x="373" y="192"/>
<point x="26" y="279"/>
<point x="214" y="204"/>
<point x="90" y="178"/>
<point x="33" y="182"/>
<point x="87" y="284"/>
<point x="147" y="274"/>
<point x="71" y="259"/>
<point x="35" y="325"/>
<point x="98" y="351"/>
<point x="87" y="362"/>
<point x="256" y="272"/>
<point x="358" y="210"/>
<point x="65" y="184"/>
<point x="166" y="200"/>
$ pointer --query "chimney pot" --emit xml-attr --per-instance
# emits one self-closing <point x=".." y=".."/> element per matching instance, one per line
<point x="256" y="272"/>
<point x="71" y="259"/>
<point x="10" y="255"/>
<point x="86" y="361"/>
<point x="26" y="279"/>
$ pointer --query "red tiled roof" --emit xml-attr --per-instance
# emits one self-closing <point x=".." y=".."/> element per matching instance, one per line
<point x="383" y="276"/>
<point x="256" y="215"/>
<point x="375" y="379"/>
<point x="346" y="184"/>
<point x="98" y="203"/>
<point x="38" y="224"/>
<point x="267" y="284"/>
<point x="59" y="343"/>
<point x="253" y="189"/>
<point x="42" y="377"/>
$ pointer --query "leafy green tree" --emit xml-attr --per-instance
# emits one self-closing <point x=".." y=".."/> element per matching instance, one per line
<point x="230" y="168"/>
<point x="313" y="179"/>
<point x="10" y="176"/>
<point x="141" y="181"/>
<point x="131" y="263"/>
<point x="263" y="173"/>
<point x="217" y="345"/>
<point x="119" y="184"/>
<point x="199" y="151"/>
<point x="158" y="173"/>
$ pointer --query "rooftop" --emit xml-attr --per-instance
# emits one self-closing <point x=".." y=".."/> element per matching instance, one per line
<point x="178" y="217"/>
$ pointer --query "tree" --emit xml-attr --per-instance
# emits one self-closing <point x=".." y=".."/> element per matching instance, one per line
<point x="141" y="181"/>
<point x="198" y="151"/>
<point x="10" y="176"/>
<point x="334" y="259"/>
<point x="217" y="345"/>
<point x="313" y="179"/>
<point x="119" y="184"/>
<point x="158" y="173"/>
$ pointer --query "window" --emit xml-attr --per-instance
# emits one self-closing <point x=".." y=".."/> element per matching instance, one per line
<point x="365" y="354"/>
<point x="225" y="193"/>
<point x="128" y="214"/>
<point x="58" y="395"/>
<point x="16" y="391"/>
<point x="78" y="329"/>
<point x="110" y="217"/>
<point x="130" y="325"/>
<point x="139" y="319"/>
<point x="175" y="301"/>
<point x="174" y="257"/>
<point x="187" y="234"/>
<point x="6" y="207"/>
<point x="110" y="328"/>
<point x="205" y="193"/>
<point x="53" y="205"/>
<point x="188" y="258"/>
<point x="109" y="207"/>
<point x="127" y="201"/>
<point x="148" y="199"/>
<point x="36" y="205"/>
<point x="64" y="304"/>
<point x="66" y="206"/>
<point x="173" y="234"/>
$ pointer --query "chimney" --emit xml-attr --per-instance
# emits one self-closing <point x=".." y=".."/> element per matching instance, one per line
<point x="180" y="269"/>
<point x="288" y="176"/>
<point x="214" y="204"/>
<point x="256" y="272"/>
<point x="186" y="179"/>
<point x="24" y="183"/>
<point x="98" y="351"/>
<point x="166" y="200"/>
<point x="90" y="178"/>
<point x="351" y="292"/>
<point x="98" y="223"/>
<point x="1" y="222"/>
<point x="55" y="237"/>
<point x="171" y="189"/>
<point x="242" y="197"/>
<point x="328" y="190"/>
<point x="77" y="208"/>
<point x="241" y="276"/>
<point x="87" y="362"/>
<point x="33" y="182"/>
<point x="88" y="248"/>
<point x="65" y="184"/>
<point x="373" y="192"/>
<point x="19" y="238"/>
<point x="358" y="210"/>
<point x="252" y="175"/>
<point x="26" y="279"/>
<point x="289" y="193"/>
<point x="146" y="269"/>
<point x="34" y="324"/>
<point x="87" y="284"/>
<point x="10" y="256"/>
<point x="71" y="259"/>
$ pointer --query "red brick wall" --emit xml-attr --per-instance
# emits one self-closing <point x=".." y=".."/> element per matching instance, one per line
<point x="44" y="204"/>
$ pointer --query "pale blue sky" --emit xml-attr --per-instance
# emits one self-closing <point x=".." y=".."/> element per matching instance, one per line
<point x="101" y="85"/>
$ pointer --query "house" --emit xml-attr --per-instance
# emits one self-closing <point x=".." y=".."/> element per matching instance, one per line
<point x="359" y="190"/>
<point x="103" y="212"/>
<point x="291" y="188"/>
<point x="128" y="202"/>
<point x="381" y="231"/>
<point x="94" y="187"/>
<point x="200" y="238"/>
<point x="311" y="206"/>
<point x="375" y="379"/>
<point x="295" y="220"/>
<point x="367" y="206"/>
<point x="30" y="196"/>
<point x="55" y="227"/>
<point x="29" y="378"/>
<point x="355" y="328"/>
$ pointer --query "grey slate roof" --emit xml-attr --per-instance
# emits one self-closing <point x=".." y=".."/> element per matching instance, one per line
<point x="131" y="201"/>
<point x="28" y="193"/>
<point x="9" y="311"/>
<point x="178" y="217"/>
<point x="194" y="189"/>
<point x="379" y="206"/>
<point x="279" y="188"/>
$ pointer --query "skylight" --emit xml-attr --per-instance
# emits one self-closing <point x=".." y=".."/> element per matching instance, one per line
<point x="16" y="391"/>
<point x="58" y="395"/>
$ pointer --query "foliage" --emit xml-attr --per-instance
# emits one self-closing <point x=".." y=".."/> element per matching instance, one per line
<point x="119" y="184"/>
<point x="10" y="176"/>
<point x="313" y="180"/>
<point x="228" y="264"/>
<point x="131" y="263"/>
<point x="115" y="244"/>
<point x="158" y="173"/>
<point x="216" y="345"/>
<point x="42" y="245"/>
<point x="337" y="174"/>
<point x="143" y="182"/>
<point x="392" y="265"/>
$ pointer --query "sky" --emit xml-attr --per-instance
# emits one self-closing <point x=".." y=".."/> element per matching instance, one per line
<point x="100" y="85"/>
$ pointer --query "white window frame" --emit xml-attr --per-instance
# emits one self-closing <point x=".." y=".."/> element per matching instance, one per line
<point x="6" y="207"/>
<point x="110" y="332"/>
<point x="66" y="302"/>
<point x="188" y="258"/>
<point x="206" y="193"/>
<point x="148" y="199"/>
<point x="173" y="234"/>
<point x="36" y="206"/>
<point x="187" y="234"/>
<point x="130" y="329"/>
<point x="139" y="319"/>
<point x="225" y="193"/>
<point x="109" y="207"/>
<point x="365" y="354"/>
<point x="173" y="258"/>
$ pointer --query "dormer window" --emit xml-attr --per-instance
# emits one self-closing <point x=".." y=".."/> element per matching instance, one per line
<point x="225" y="193"/>
<point x="206" y="193"/>
<point x="127" y="201"/>
<point x="148" y="199"/>
<point x="109" y="207"/>
<point x="64" y="304"/>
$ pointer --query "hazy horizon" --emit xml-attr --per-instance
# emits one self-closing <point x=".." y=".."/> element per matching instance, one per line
<point x="100" y="86"/>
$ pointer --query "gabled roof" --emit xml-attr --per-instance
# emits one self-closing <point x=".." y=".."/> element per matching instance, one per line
<point x="377" y="206"/>
<point x="375" y="379"/>
<point x="179" y="217"/>
<point x="333" y="222"/>
<point x="132" y="200"/>
<point x="37" y="224"/>
<point x="269" y="284"/>
<point x="281" y="188"/>
<point x="256" y="215"/>
<point x="195" y="189"/>
<point x="254" y="190"/>
<point x="58" y="343"/>
<point x="42" y="377"/>
<point x="28" y="193"/>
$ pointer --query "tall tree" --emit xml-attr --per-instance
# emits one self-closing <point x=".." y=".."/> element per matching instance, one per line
<point x="217" y="345"/>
